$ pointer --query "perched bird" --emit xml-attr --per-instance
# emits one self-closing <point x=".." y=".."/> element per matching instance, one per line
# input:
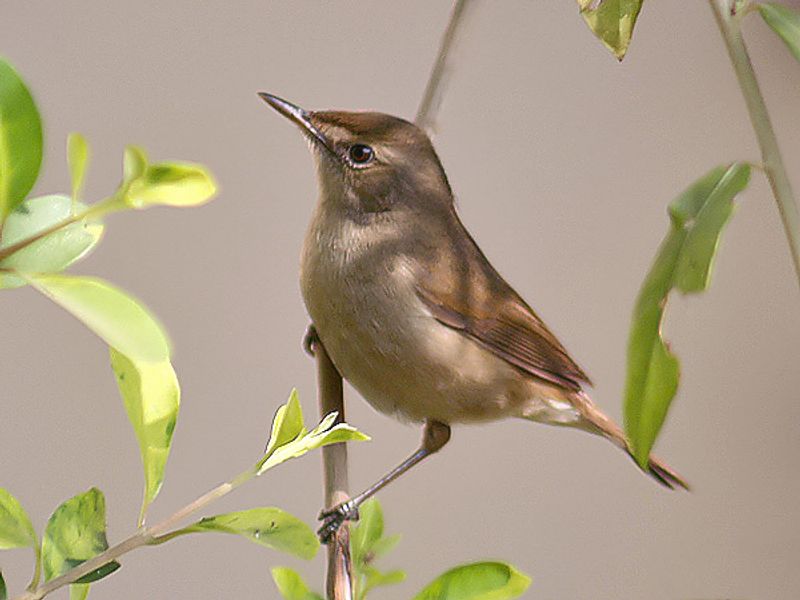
<point x="407" y="306"/>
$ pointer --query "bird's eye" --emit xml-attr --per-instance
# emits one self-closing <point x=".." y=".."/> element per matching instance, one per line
<point x="361" y="154"/>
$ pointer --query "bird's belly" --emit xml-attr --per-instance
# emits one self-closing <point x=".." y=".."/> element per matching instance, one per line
<point x="404" y="363"/>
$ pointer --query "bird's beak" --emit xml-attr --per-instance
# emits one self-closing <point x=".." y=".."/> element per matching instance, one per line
<point x="299" y="116"/>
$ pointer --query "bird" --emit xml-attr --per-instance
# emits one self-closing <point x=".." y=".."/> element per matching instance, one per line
<point x="410" y="310"/>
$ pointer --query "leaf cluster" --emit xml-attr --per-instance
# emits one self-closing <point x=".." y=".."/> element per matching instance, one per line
<point x="489" y="580"/>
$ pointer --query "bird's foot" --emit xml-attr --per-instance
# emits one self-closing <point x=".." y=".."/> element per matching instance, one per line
<point x="310" y="340"/>
<point x="333" y="518"/>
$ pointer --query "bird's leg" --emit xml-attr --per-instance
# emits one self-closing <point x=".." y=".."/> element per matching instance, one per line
<point x="310" y="339"/>
<point x="434" y="437"/>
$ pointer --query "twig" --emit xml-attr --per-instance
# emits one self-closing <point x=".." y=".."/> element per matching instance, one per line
<point x="442" y="68"/>
<point x="339" y="583"/>
<point x="142" y="537"/>
<point x="730" y="28"/>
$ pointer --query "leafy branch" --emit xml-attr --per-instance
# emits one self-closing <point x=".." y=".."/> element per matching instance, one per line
<point x="76" y="531"/>
<point x="488" y="580"/>
<point x="685" y="259"/>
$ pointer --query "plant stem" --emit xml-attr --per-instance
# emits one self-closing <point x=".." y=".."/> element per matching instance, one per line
<point x="339" y="581"/>
<point x="434" y="91"/>
<point x="729" y="25"/>
<point x="149" y="535"/>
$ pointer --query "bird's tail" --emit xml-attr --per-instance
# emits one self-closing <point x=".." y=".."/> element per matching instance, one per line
<point x="603" y="425"/>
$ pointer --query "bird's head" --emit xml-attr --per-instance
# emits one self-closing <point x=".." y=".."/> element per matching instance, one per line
<point x="371" y="162"/>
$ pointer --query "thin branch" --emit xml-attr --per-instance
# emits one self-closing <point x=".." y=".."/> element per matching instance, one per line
<point x="339" y="581"/>
<point x="142" y="537"/>
<point x="442" y="68"/>
<point x="730" y="27"/>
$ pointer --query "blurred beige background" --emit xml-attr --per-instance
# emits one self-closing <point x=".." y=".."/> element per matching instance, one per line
<point x="563" y="162"/>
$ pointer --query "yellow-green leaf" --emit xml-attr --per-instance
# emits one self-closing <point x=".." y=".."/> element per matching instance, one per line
<point x="287" y="423"/>
<point x="291" y="585"/>
<point x="53" y="253"/>
<point x="79" y="591"/>
<point x="785" y="22"/>
<point x="612" y="21"/>
<point x="684" y="262"/>
<point x="134" y="164"/>
<point x="324" y="434"/>
<point x="171" y="184"/>
<point x="478" y="581"/>
<point x="75" y="533"/>
<point x="266" y="526"/>
<point x="375" y="578"/>
<point x="20" y="140"/>
<point x="16" y="530"/>
<point x="120" y="320"/>
<point x="151" y="394"/>
<point x="78" y="160"/>
<point x="366" y="533"/>
<point x="367" y="544"/>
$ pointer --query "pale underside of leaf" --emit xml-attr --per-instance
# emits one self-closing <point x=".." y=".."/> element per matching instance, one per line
<point x="52" y="253"/>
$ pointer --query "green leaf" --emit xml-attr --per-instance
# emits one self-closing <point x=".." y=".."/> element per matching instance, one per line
<point x="75" y="533"/>
<point x="270" y="527"/>
<point x="151" y="394"/>
<point x="324" y="434"/>
<point x="111" y="313"/>
<point x="98" y="573"/>
<point x="385" y="545"/>
<point x="53" y="253"/>
<point x="290" y="439"/>
<point x="785" y="22"/>
<point x="478" y="581"/>
<point x="134" y="164"/>
<point x="172" y="184"/>
<point x="376" y="578"/>
<point x="291" y="585"/>
<point x="612" y="21"/>
<point x="683" y="262"/>
<point x="16" y="530"/>
<point x="367" y="532"/>
<point x="20" y="140"/>
<point x="287" y="423"/>
<point x="78" y="159"/>
<point x="368" y="543"/>
<point x="3" y="590"/>
<point x="79" y="591"/>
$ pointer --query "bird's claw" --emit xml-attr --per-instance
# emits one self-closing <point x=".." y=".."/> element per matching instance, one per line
<point x="310" y="340"/>
<point x="333" y="518"/>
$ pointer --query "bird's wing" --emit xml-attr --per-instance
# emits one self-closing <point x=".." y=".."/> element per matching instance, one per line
<point x="468" y="295"/>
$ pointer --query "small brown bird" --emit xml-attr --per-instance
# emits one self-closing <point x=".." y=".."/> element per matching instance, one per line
<point x="409" y="308"/>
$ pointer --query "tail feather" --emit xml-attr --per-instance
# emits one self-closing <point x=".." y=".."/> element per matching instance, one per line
<point x="663" y="474"/>
<point x="603" y="425"/>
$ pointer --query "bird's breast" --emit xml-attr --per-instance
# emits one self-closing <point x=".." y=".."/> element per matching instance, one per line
<point x="359" y="288"/>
